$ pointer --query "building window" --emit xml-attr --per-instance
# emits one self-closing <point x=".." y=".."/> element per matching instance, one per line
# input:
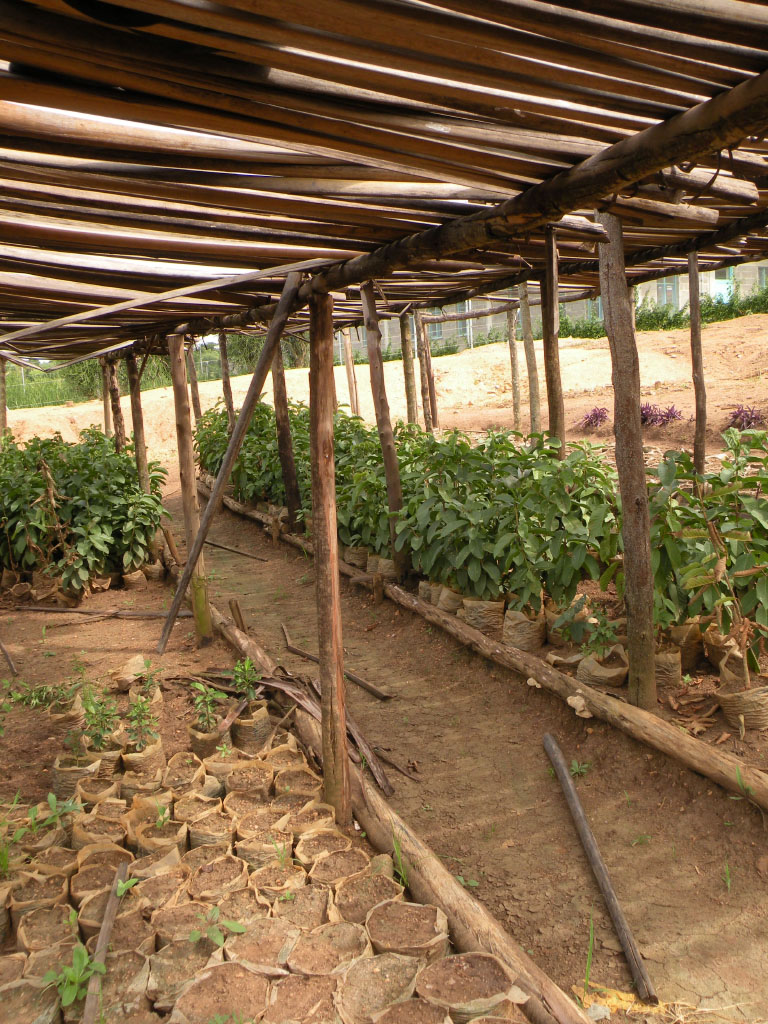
<point x="434" y="331"/>
<point x="667" y="292"/>
<point x="595" y="308"/>
<point x="762" y="277"/>
<point x="461" y="325"/>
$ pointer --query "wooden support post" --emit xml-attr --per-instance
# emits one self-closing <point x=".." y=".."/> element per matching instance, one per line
<point x="697" y="365"/>
<point x="226" y="384"/>
<point x="3" y="398"/>
<point x="534" y="399"/>
<point x="430" y="381"/>
<point x="282" y="312"/>
<point x="383" y="421"/>
<point x="139" y="442"/>
<point x="200" y="604"/>
<point x="105" y="397"/>
<point x="550" y="322"/>
<point x="636" y="528"/>
<point x="284" y="439"/>
<point x="512" y="332"/>
<point x="325" y="538"/>
<point x="354" y="401"/>
<point x="193" y="385"/>
<point x="423" y="371"/>
<point x="406" y="347"/>
<point x="117" y="412"/>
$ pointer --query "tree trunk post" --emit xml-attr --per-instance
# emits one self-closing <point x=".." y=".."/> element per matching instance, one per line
<point x="199" y="584"/>
<point x="117" y="412"/>
<point x="336" y="788"/>
<point x="3" y="399"/>
<point x="226" y="383"/>
<point x="430" y="380"/>
<point x="550" y="322"/>
<point x="511" y="332"/>
<point x="284" y="439"/>
<point x="105" y="398"/>
<point x="406" y="347"/>
<point x="697" y="364"/>
<point x="193" y="385"/>
<point x="354" y="401"/>
<point x="139" y="442"/>
<point x="283" y="310"/>
<point x="534" y="399"/>
<point x="423" y="371"/>
<point x="636" y="528"/>
<point x="383" y="421"/>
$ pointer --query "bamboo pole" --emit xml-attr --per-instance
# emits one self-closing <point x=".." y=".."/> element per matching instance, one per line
<point x="199" y="584"/>
<point x="406" y="347"/>
<point x="193" y="385"/>
<point x="284" y="439"/>
<point x="282" y="312"/>
<point x="117" y="412"/>
<point x="636" y="527"/>
<point x="226" y="384"/>
<point x="326" y="544"/>
<point x="139" y="442"/>
<point x="426" y="405"/>
<point x="430" y="379"/>
<point x="550" y="322"/>
<point x="383" y="421"/>
<point x="697" y="365"/>
<point x="105" y="397"/>
<point x="512" y="339"/>
<point x="534" y="401"/>
<point x="354" y="401"/>
<point x="3" y="398"/>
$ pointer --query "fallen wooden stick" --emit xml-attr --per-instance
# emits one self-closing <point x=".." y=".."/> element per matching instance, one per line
<point x="236" y="551"/>
<point x="363" y="683"/>
<point x="236" y="711"/>
<point x="237" y="613"/>
<point x="9" y="659"/>
<point x="91" y="1007"/>
<point x="643" y="983"/>
<point x="429" y="881"/>
<point x="170" y="540"/>
<point x="110" y="613"/>
<point x="395" y="765"/>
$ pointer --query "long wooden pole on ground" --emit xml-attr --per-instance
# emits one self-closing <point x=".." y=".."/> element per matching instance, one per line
<point x="550" y="322"/>
<point x="284" y="308"/>
<point x="423" y="372"/>
<point x="406" y="347"/>
<point x="534" y="400"/>
<point x="354" y="401"/>
<point x="139" y="442"/>
<point x="117" y="412"/>
<point x="515" y="366"/>
<point x="105" y="397"/>
<point x="226" y="383"/>
<point x="199" y="584"/>
<point x="193" y="385"/>
<point x="3" y="398"/>
<point x="326" y="545"/>
<point x="383" y="421"/>
<point x="284" y="439"/>
<point x="471" y="926"/>
<point x="697" y="365"/>
<point x="630" y="464"/>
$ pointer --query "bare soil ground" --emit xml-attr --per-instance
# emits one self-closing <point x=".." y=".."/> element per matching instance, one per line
<point x="689" y="862"/>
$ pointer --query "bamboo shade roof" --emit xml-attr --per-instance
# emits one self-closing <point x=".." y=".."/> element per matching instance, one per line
<point x="163" y="162"/>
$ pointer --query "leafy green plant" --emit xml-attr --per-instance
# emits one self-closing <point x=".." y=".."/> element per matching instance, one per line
<point x="401" y="872"/>
<point x="212" y="928"/>
<point x="142" y="724"/>
<point x="282" y="853"/>
<point x="72" y="980"/>
<point x="205" y="702"/>
<point x="468" y="883"/>
<point x="163" y="815"/>
<point x="10" y="836"/>
<point x="579" y="768"/>
<point x="224" y="750"/>
<point x="245" y="678"/>
<point x="60" y="809"/>
<point x="601" y="635"/>
<point x="125" y="886"/>
<point x="101" y="719"/>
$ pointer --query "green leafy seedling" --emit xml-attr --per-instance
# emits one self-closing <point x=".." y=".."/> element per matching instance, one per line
<point x="163" y="815"/>
<point x="579" y="767"/>
<point x="468" y="883"/>
<point x="641" y="840"/>
<point x="287" y="897"/>
<point x="212" y="928"/>
<point x="126" y="886"/>
<point x="72" y="980"/>
<point x="401" y="873"/>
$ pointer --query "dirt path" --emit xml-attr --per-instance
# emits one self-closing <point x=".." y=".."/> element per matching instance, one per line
<point x="489" y="807"/>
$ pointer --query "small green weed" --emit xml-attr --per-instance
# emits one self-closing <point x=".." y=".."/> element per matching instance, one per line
<point x="726" y="876"/>
<point x="397" y="856"/>
<point x="72" y="980"/>
<point x="579" y="767"/>
<point x="641" y="840"/>
<point x="212" y="928"/>
<point x="468" y="883"/>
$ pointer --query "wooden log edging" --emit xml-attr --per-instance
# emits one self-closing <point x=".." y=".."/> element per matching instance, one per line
<point x="727" y="770"/>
